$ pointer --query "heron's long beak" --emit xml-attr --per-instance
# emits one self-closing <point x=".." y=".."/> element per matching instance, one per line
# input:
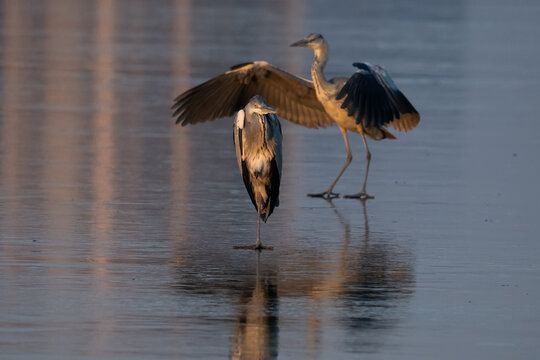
<point x="265" y="109"/>
<point x="302" y="42"/>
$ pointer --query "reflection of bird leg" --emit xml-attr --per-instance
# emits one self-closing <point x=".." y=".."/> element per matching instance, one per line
<point x="329" y="286"/>
<point x="256" y="330"/>
<point x="362" y="195"/>
<point x="366" y="223"/>
<point x="258" y="292"/>
<point x="328" y="194"/>
<point x="346" y="225"/>
<point x="258" y="268"/>
<point x="346" y="241"/>
<point x="258" y="240"/>
<point x="343" y="222"/>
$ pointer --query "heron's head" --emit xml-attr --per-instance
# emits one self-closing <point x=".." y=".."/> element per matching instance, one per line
<point x="313" y="41"/>
<point x="258" y="105"/>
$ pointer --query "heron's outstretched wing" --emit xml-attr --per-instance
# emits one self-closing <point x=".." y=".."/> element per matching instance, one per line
<point x="293" y="97"/>
<point x="372" y="97"/>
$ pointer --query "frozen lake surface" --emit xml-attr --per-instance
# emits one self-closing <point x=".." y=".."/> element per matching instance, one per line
<point x="117" y="228"/>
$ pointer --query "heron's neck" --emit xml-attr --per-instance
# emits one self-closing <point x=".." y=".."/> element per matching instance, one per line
<point x="319" y="62"/>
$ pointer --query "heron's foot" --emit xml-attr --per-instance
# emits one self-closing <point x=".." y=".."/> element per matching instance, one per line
<point x="325" y="195"/>
<point x="254" y="247"/>
<point x="361" y="195"/>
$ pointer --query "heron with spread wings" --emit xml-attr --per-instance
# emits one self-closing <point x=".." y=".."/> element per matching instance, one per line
<point x="367" y="103"/>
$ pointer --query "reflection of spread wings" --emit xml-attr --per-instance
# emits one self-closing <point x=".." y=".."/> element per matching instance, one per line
<point x="293" y="97"/>
<point x="372" y="98"/>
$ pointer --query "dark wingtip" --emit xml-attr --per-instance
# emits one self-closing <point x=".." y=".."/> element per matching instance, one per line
<point x="342" y="94"/>
<point x="177" y="120"/>
<point x="175" y="113"/>
<point x="361" y="65"/>
<point x="178" y="114"/>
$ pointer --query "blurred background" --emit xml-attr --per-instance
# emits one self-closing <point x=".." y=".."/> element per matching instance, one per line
<point x="117" y="227"/>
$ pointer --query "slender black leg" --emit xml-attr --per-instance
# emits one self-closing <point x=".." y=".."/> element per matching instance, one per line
<point x="258" y="244"/>
<point x="362" y="194"/>
<point x="328" y="194"/>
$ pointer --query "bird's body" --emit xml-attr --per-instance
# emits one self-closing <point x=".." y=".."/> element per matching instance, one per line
<point x="327" y="93"/>
<point x="327" y="97"/>
<point x="257" y="138"/>
<point x="366" y="103"/>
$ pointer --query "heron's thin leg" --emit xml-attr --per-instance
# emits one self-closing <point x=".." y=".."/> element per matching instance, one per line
<point x="328" y="193"/>
<point x="362" y="194"/>
<point x="258" y="241"/>
<point x="258" y="244"/>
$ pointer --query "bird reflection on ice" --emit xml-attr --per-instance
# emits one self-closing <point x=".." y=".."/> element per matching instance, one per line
<point x="351" y="293"/>
<point x="368" y="279"/>
<point x="256" y="329"/>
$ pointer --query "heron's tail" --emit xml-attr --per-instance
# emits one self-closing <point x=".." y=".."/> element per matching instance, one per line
<point x="376" y="133"/>
<point x="387" y="134"/>
<point x="268" y="208"/>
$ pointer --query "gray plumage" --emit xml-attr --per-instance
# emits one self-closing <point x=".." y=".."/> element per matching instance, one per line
<point x="257" y="139"/>
<point x="293" y="97"/>
<point x="366" y="103"/>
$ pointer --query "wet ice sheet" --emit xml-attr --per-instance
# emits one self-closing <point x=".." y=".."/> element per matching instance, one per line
<point x="117" y="227"/>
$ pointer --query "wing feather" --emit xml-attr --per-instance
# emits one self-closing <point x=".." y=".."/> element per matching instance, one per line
<point x="293" y="97"/>
<point x="373" y="98"/>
